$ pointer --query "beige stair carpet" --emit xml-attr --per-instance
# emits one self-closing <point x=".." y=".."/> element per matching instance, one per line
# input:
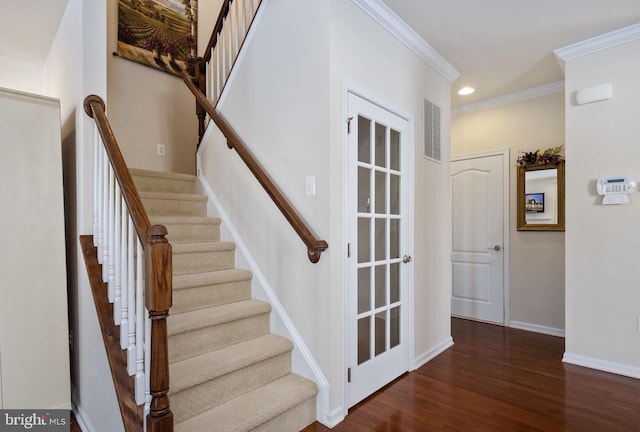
<point x="228" y="372"/>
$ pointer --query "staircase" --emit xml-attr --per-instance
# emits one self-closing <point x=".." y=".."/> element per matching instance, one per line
<point x="228" y="372"/>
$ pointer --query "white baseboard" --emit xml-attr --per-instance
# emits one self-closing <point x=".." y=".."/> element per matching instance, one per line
<point x="551" y="331"/>
<point x="79" y="413"/>
<point x="602" y="365"/>
<point x="433" y="352"/>
<point x="303" y="361"/>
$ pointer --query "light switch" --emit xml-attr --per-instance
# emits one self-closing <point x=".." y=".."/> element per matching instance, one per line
<point x="310" y="185"/>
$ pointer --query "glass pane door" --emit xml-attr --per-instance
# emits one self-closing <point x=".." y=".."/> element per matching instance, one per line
<point x="379" y="242"/>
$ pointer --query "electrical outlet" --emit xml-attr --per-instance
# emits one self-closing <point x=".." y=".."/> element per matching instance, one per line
<point x="161" y="150"/>
<point x="310" y="185"/>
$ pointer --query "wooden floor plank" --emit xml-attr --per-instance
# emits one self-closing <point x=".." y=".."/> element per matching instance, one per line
<point x="499" y="379"/>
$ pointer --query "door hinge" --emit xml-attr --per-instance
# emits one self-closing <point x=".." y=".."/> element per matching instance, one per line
<point x="348" y="375"/>
<point x="348" y="250"/>
<point x="349" y="124"/>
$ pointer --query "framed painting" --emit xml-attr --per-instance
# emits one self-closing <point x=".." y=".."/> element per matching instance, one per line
<point x="159" y="33"/>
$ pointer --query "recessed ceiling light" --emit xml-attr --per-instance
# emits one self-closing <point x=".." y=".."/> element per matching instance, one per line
<point x="464" y="91"/>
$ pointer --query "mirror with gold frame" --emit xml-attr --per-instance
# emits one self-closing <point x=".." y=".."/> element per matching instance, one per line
<point x="541" y="197"/>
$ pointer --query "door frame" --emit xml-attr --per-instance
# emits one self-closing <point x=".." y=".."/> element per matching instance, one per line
<point x="356" y="90"/>
<point x="506" y="226"/>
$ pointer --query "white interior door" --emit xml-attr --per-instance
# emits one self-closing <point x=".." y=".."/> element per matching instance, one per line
<point x="477" y="252"/>
<point x="379" y="259"/>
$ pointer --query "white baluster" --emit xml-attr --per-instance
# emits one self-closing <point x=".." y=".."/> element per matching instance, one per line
<point x="244" y="18"/>
<point x="96" y="183"/>
<point x="139" y="380"/>
<point x="235" y="29"/>
<point x="131" y="294"/>
<point x="101" y="197"/>
<point x="223" y="52"/>
<point x="147" y="362"/>
<point x="211" y="76"/>
<point x="106" y="241"/>
<point x="218" y="67"/>
<point x="109" y="252"/>
<point x="124" y="278"/>
<point x="116" y="259"/>
<point x="229" y="39"/>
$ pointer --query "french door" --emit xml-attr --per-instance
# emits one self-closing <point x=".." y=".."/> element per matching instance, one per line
<point x="379" y="227"/>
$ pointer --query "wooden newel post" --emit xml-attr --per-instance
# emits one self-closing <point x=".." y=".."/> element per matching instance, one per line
<point x="158" y="301"/>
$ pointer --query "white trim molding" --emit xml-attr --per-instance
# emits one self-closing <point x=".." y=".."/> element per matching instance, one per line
<point x="551" y="331"/>
<point x="598" y="43"/>
<point x="81" y="416"/>
<point x="603" y="365"/>
<point x="429" y="355"/>
<point x="509" y="98"/>
<point x="391" y="22"/>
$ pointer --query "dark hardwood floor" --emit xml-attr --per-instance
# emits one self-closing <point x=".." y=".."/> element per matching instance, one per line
<point x="75" y="427"/>
<point x="499" y="379"/>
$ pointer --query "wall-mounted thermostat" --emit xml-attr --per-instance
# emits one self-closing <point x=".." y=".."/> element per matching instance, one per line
<point x="616" y="190"/>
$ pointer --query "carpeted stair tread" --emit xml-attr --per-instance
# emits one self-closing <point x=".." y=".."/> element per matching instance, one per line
<point x="174" y="204"/>
<point x="139" y="172"/>
<point x="146" y="180"/>
<point x="193" y="371"/>
<point x="185" y="322"/>
<point x="187" y="281"/>
<point x="185" y="220"/>
<point x="194" y="291"/>
<point x="172" y="196"/>
<point x="189" y="228"/>
<point x="192" y="247"/>
<point x="254" y="408"/>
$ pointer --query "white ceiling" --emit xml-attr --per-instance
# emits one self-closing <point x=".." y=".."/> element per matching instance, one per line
<point x="502" y="46"/>
<point x="498" y="46"/>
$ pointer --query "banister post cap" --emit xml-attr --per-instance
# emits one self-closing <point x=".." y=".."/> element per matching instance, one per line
<point x="87" y="104"/>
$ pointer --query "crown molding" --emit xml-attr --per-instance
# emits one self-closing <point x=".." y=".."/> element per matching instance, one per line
<point x="509" y="98"/>
<point x="384" y="16"/>
<point x="598" y="43"/>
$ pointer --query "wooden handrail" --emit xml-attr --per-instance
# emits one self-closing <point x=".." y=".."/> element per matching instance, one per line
<point x="315" y="246"/>
<point x="158" y="268"/>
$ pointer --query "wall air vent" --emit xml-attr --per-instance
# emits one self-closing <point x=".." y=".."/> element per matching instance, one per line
<point x="432" y="131"/>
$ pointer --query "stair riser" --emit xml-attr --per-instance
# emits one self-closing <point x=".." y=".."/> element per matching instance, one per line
<point x="193" y="232"/>
<point x="212" y="393"/>
<point x="174" y="207"/>
<point x="210" y="295"/>
<point x="200" y="341"/>
<point x="154" y="184"/>
<point x="200" y="262"/>
<point x="295" y="419"/>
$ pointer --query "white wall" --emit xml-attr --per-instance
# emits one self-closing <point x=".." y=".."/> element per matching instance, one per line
<point x="33" y="285"/>
<point x="147" y="107"/>
<point x="21" y="75"/>
<point x="287" y="102"/>
<point x="603" y="298"/>
<point x="522" y="127"/>
<point x="76" y="67"/>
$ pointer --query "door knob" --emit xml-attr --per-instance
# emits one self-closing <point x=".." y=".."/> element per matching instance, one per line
<point x="495" y="248"/>
<point x="407" y="259"/>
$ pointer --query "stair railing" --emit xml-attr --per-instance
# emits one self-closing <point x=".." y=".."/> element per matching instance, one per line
<point x="212" y="72"/>
<point x="136" y="265"/>
<point x="228" y="35"/>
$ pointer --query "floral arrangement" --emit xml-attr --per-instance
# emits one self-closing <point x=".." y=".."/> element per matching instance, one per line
<point x="552" y="155"/>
